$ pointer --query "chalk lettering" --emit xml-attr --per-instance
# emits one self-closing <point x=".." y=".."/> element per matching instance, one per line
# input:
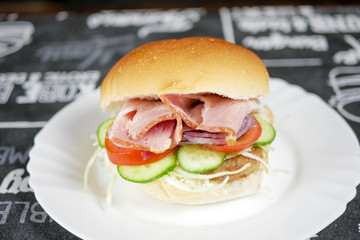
<point x="273" y="24"/>
<point x="350" y="56"/>
<point x="152" y="21"/>
<point x="7" y="84"/>
<point x="4" y="213"/>
<point x="262" y="19"/>
<point x="299" y="24"/>
<point x="277" y="41"/>
<point x="300" y="19"/>
<point x="306" y="10"/>
<point x="339" y="23"/>
<point x="30" y="211"/>
<point x="5" y="92"/>
<point x="10" y="155"/>
<point x="15" y="183"/>
<point x="57" y="93"/>
<point x="345" y="81"/>
<point x="24" y="211"/>
<point x="255" y="25"/>
<point x="264" y="11"/>
<point x="48" y="87"/>
<point x="14" y="35"/>
<point x="32" y="88"/>
<point x="37" y="215"/>
<point x="13" y="78"/>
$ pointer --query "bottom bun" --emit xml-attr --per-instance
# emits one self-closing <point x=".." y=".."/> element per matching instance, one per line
<point x="245" y="186"/>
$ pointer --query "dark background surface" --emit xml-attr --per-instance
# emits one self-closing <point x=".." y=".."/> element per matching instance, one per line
<point x="60" y="41"/>
<point x="51" y="6"/>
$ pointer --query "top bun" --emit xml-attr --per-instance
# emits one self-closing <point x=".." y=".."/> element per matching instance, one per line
<point x="188" y="65"/>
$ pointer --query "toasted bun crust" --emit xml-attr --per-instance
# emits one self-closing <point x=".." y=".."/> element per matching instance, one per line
<point x="188" y="65"/>
<point x="239" y="187"/>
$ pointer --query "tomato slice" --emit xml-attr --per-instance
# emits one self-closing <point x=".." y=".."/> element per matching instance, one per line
<point x="247" y="140"/>
<point x="132" y="157"/>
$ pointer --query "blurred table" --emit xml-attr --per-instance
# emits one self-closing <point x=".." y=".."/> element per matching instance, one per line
<point x="48" y="61"/>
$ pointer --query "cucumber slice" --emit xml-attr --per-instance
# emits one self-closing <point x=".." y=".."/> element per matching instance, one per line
<point x="198" y="159"/>
<point x="148" y="172"/>
<point x="101" y="131"/>
<point x="267" y="135"/>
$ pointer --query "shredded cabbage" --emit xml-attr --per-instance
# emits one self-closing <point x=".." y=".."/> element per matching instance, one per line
<point x="99" y="153"/>
<point x="193" y="182"/>
<point x="110" y="191"/>
<point x="191" y="185"/>
<point x="100" y="156"/>
<point x="257" y="158"/>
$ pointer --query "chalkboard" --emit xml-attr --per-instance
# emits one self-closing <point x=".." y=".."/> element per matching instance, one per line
<point x="49" y="61"/>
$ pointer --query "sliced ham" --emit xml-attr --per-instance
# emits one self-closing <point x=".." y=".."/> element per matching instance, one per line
<point x="146" y="125"/>
<point x="154" y="125"/>
<point x="211" y="113"/>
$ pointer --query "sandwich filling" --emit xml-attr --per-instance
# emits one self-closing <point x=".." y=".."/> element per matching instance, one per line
<point x="193" y="142"/>
<point x="158" y="125"/>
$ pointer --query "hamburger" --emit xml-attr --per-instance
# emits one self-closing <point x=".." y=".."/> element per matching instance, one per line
<point x="188" y="127"/>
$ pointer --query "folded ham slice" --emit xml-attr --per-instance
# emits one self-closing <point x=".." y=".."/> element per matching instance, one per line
<point x="146" y="125"/>
<point x="211" y="113"/>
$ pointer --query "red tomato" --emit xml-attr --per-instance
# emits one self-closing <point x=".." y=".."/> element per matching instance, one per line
<point x="247" y="140"/>
<point x="131" y="157"/>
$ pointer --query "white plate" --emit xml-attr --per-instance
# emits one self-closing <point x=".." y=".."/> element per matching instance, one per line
<point x="316" y="170"/>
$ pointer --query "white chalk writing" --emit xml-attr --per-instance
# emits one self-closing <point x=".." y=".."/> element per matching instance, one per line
<point x="345" y="81"/>
<point x="256" y="25"/>
<point x="31" y="211"/>
<point x="293" y="19"/>
<point x="14" y="35"/>
<point x="10" y="155"/>
<point x="350" y="56"/>
<point x="4" y="213"/>
<point x="14" y="182"/>
<point x="151" y="21"/>
<point x="48" y="87"/>
<point x="277" y="41"/>
<point x="317" y="23"/>
<point x="265" y="11"/>
<point x="339" y="23"/>
<point x="263" y="19"/>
